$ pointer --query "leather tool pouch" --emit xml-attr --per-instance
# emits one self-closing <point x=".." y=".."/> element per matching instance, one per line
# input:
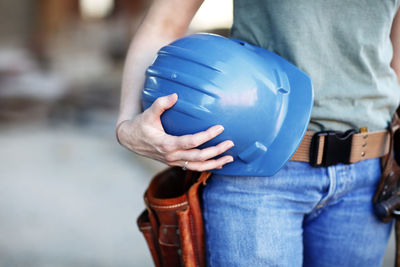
<point x="387" y="196"/>
<point x="172" y="223"/>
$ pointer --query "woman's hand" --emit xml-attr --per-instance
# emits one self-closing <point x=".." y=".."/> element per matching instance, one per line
<point x="145" y="135"/>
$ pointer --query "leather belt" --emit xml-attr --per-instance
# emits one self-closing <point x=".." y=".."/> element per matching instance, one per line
<point x="319" y="150"/>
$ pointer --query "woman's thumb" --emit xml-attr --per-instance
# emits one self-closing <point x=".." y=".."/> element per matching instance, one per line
<point x="163" y="103"/>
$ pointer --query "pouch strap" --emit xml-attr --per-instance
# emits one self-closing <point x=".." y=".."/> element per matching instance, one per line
<point x="197" y="217"/>
<point x="146" y="228"/>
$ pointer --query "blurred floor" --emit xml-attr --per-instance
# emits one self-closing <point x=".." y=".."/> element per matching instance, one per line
<point x="69" y="196"/>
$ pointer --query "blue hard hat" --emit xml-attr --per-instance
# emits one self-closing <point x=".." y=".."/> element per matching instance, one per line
<point x="263" y="101"/>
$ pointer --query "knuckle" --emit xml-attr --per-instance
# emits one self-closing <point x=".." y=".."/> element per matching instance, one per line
<point x="166" y="150"/>
<point x="205" y="168"/>
<point x="207" y="165"/>
<point x="198" y="169"/>
<point x="158" y="102"/>
<point x="208" y="135"/>
<point x="161" y="148"/>
<point x="181" y="143"/>
<point x="157" y="105"/>
<point x="186" y="143"/>
<point x="202" y="156"/>
<point x="166" y="147"/>
<point x="219" y="149"/>
<point x="169" y="157"/>
<point x="192" y="143"/>
<point x="153" y="108"/>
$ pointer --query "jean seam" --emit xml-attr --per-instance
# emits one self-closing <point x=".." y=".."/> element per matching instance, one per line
<point x="205" y="219"/>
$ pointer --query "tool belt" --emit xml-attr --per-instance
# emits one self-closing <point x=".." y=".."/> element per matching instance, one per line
<point x="326" y="148"/>
<point x="172" y="223"/>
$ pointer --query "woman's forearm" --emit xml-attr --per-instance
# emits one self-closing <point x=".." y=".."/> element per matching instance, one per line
<point x="395" y="37"/>
<point x="165" y="21"/>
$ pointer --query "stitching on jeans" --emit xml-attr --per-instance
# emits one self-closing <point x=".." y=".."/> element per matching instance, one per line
<point x="205" y="221"/>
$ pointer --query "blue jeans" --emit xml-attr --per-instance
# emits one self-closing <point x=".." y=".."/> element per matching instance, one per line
<point x="302" y="216"/>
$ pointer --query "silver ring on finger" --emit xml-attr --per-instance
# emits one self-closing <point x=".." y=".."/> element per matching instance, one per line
<point x="185" y="165"/>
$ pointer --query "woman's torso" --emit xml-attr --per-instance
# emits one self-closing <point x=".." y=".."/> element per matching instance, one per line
<point x="345" y="47"/>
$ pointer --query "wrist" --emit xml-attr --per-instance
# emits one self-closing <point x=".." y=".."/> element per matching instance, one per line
<point x="117" y="130"/>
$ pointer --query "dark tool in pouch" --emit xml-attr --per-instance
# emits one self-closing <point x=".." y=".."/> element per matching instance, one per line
<point x="172" y="223"/>
<point x="387" y="197"/>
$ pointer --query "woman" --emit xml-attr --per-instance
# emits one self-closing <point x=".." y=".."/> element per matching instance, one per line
<point x="304" y="215"/>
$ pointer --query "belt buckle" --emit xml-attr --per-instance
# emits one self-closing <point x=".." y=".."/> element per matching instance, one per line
<point x="337" y="148"/>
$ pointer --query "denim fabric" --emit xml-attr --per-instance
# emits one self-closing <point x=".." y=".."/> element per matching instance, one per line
<point x="302" y="216"/>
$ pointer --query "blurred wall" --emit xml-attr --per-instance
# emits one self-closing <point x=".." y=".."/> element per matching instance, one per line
<point x="16" y="18"/>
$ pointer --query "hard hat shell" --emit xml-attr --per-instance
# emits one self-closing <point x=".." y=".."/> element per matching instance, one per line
<point x="263" y="101"/>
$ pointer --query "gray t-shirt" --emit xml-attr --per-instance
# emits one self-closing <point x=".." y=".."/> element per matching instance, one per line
<point x="344" y="45"/>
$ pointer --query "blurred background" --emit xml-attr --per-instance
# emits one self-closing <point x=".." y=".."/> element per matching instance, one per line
<point x="69" y="194"/>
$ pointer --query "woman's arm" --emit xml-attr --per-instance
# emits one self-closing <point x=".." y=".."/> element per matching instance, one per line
<point x="166" y="21"/>
<point x="395" y="37"/>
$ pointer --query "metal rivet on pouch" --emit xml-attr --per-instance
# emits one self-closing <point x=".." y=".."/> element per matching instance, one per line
<point x="165" y="231"/>
<point x="179" y="251"/>
<point x="177" y="231"/>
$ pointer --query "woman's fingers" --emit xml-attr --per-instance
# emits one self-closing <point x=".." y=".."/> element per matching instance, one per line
<point x="169" y="144"/>
<point x="201" y="159"/>
<point x="204" y="165"/>
<point x="194" y="140"/>
<point x="199" y="154"/>
<point x="175" y="148"/>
